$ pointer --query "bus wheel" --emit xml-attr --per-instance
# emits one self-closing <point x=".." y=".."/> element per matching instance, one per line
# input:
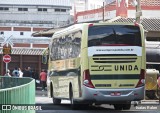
<point x="73" y="104"/>
<point x="127" y="106"/>
<point x="56" y="101"/>
<point x="151" y="94"/>
<point x="118" y="106"/>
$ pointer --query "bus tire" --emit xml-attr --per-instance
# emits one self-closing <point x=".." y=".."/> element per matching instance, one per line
<point x="74" y="106"/>
<point x="127" y="106"/>
<point x="151" y="94"/>
<point x="55" y="100"/>
<point x="118" y="106"/>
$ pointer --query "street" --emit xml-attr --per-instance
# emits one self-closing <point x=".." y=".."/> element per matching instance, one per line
<point x="47" y="106"/>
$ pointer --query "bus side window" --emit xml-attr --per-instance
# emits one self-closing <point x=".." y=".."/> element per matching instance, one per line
<point x="53" y="73"/>
<point x="76" y="43"/>
<point x="53" y="50"/>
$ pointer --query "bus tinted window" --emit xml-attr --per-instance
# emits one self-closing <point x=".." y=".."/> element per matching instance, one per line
<point x="125" y="35"/>
<point x="66" y="46"/>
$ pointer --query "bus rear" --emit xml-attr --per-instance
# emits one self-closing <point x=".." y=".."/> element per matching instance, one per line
<point x="116" y="63"/>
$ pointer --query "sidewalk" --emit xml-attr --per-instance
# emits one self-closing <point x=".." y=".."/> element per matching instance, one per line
<point x="154" y="102"/>
<point x="40" y="93"/>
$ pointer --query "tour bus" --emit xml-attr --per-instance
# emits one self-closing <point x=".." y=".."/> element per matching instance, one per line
<point x="97" y="63"/>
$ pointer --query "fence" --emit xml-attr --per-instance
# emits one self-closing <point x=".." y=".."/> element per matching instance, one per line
<point x="17" y="95"/>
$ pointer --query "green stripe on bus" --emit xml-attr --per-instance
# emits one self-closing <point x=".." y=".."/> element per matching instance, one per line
<point x="113" y="77"/>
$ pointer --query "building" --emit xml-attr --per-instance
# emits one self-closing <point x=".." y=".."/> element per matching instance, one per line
<point x="49" y="13"/>
<point x="83" y="5"/>
<point x="122" y="8"/>
<point x="125" y="11"/>
<point x="21" y="18"/>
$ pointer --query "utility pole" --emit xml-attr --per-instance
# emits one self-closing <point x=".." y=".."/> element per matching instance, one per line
<point x="138" y="11"/>
<point x="103" y="11"/>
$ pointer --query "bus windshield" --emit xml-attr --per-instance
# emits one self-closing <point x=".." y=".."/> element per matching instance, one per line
<point x="114" y="35"/>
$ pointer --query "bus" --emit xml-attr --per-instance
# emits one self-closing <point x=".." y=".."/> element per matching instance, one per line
<point x="97" y="63"/>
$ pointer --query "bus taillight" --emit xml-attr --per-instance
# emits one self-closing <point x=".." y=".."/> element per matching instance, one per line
<point x="90" y="25"/>
<point x="86" y="79"/>
<point x="136" y="23"/>
<point x="141" y="81"/>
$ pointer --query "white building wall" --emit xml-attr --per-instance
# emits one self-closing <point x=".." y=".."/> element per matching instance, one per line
<point x="97" y="16"/>
<point x="17" y="34"/>
<point x="83" y="5"/>
<point x="33" y="15"/>
<point x="37" y="2"/>
<point x="94" y="4"/>
<point x="78" y="6"/>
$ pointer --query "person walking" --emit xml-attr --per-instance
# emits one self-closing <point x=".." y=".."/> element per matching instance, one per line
<point x="15" y="72"/>
<point x="30" y="71"/>
<point x="43" y="79"/>
<point x="6" y="80"/>
<point x="26" y="73"/>
<point x="35" y="76"/>
<point x="20" y="72"/>
<point x="8" y="73"/>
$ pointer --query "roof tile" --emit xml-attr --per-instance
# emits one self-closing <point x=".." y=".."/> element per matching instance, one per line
<point x="26" y="51"/>
<point x="149" y="24"/>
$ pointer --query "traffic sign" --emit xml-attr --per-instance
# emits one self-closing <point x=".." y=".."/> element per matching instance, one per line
<point x="7" y="41"/>
<point x="6" y="58"/>
<point x="6" y="50"/>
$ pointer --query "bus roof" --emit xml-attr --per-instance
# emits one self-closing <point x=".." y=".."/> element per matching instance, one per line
<point x="68" y="29"/>
<point x="76" y="27"/>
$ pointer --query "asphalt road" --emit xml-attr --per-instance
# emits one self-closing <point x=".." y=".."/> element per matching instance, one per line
<point x="46" y="105"/>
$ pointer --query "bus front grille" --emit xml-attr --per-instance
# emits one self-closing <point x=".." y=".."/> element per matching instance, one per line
<point x="114" y="58"/>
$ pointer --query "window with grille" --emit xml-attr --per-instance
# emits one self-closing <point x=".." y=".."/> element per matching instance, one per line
<point x="60" y="10"/>
<point x="21" y="33"/>
<point x="2" y="33"/>
<point x="22" y="9"/>
<point x="42" y="9"/>
<point x="4" y="8"/>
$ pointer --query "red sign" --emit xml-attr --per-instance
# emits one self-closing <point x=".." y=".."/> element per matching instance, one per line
<point x="6" y="58"/>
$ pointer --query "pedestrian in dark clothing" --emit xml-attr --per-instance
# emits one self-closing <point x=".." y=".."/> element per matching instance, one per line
<point x="26" y="73"/>
<point x="35" y="76"/>
<point x="30" y="71"/>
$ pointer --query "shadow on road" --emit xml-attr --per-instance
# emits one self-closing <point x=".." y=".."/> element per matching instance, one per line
<point x="49" y="106"/>
<point x="46" y="103"/>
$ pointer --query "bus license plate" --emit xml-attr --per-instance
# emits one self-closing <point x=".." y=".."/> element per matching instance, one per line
<point x="115" y="94"/>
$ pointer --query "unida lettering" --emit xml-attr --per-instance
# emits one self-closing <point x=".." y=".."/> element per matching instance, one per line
<point x="125" y="67"/>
